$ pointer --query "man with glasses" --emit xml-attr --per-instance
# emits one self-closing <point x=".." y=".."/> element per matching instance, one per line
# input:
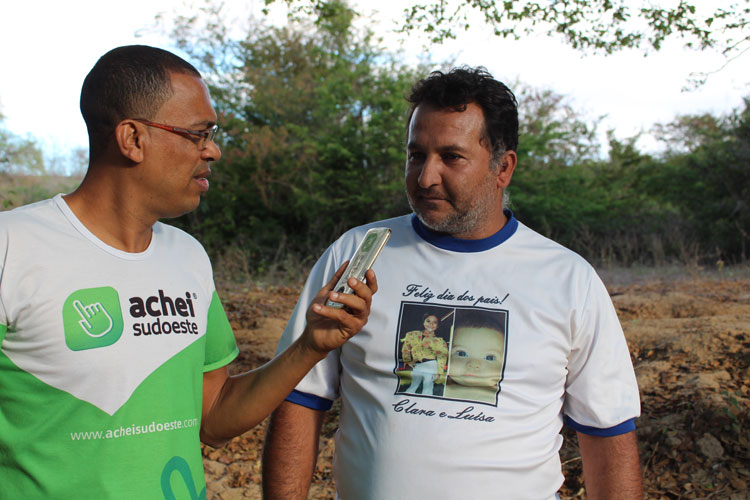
<point x="531" y="336"/>
<point x="114" y="344"/>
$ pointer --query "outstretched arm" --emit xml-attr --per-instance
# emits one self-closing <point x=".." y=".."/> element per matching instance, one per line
<point x="232" y="405"/>
<point x="290" y="452"/>
<point x="611" y="467"/>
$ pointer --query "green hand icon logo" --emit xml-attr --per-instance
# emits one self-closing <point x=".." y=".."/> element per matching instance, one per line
<point x="95" y="320"/>
<point x="92" y="318"/>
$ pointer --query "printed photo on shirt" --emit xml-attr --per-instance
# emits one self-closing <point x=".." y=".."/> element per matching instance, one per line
<point x="422" y="353"/>
<point x="451" y="352"/>
<point x="477" y="356"/>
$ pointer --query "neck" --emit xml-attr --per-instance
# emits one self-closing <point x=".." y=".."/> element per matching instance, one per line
<point x="105" y="208"/>
<point x="485" y="230"/>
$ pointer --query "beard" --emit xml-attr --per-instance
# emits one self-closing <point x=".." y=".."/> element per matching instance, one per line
<point x="466" y="214"/>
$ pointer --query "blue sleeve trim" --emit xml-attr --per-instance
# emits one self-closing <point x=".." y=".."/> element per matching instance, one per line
<point x="309" y="401"/>
<point x="623" y="428"/>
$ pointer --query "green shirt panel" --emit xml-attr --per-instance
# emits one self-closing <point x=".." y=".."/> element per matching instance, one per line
<point x="222" y="339"/>
<point x="53" y="445"/>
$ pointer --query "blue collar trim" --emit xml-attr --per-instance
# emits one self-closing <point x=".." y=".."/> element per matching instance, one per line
<point x="447" y="242"/>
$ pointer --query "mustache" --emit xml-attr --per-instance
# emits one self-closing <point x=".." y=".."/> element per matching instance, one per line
<point x="430" y="193"/>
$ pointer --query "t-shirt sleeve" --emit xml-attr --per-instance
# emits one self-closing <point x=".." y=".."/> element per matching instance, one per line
<point x="221" y="347"/>
<point x="601" y="394"/>
<point x="322" y="382"/>
<point x="3" y="257"/>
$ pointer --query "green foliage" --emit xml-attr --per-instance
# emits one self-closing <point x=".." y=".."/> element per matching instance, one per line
<point x="18" y="154"/>
<point x="706" y="177"/>
<point x="19" y="189"/>
<point x="313" y="119"/>
<point x="691" y="204"/>
<point x="603" y="25"/>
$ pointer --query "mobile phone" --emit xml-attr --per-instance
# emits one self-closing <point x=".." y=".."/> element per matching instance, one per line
<point x="362" y="260"/>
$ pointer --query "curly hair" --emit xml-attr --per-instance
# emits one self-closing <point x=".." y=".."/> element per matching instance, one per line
<point x="464" y="85"/>
<point x="127" y="82"/>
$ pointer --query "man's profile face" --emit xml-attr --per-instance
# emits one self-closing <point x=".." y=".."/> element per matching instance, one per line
<point x="449" y="183"/>
<point x="175" y="173"/>
<point x="476" y="357"/>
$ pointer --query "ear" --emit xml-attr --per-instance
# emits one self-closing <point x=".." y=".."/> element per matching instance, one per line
<point x="506" y="168"/>
<point x="131" y="138"/>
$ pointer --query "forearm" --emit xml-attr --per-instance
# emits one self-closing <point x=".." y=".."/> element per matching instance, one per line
<point x="246" y="399"/>
<point x="290" y="452"/>
<point x="611" y="467"/>
<point x="232" y="405"/>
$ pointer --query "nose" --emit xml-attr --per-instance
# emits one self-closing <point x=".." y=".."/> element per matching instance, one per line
<point x="430" y="173"/>
<point x="211" y="152"/>
<point x="473" y="363"/>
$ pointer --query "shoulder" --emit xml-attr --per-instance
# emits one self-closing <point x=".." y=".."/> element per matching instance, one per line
<point x="553" y="269"/>
<point x="539" y="247"/>
<point x="28" y="213"/>
<point x="183" y="244"/>
<point x="34" y="218"/>
<point x="174" y="235"/>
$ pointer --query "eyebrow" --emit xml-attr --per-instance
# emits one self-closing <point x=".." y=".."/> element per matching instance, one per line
<point x="203" y="124"/>
<point x="442" y="149"/>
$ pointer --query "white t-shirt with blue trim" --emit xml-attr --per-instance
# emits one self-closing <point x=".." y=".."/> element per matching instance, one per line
<point x="532" y="337"/>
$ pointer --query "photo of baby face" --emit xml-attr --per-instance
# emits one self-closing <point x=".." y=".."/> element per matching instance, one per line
<point x="477" y="357"/>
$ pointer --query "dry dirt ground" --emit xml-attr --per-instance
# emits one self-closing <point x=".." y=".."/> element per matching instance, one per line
<point x="689" y="339"/>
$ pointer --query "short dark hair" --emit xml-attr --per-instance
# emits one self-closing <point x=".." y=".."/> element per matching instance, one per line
<point x="469" y="318"/>
<point x="127" y="82"/>
<point x="464" y="85"/>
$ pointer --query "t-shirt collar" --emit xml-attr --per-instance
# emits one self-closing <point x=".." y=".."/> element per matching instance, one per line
<point x="447" y="242"/>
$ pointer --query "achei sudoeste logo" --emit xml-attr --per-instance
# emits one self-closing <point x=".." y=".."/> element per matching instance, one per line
<point x="163" y="307"/>
<point x="92" y="317"/>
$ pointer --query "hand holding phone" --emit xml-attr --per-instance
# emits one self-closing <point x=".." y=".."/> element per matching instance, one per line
<point x="362" y="260"/>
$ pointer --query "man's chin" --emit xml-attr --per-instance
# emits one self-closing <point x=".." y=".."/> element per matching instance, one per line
<point x="179" y="211"/>
<point x="435" y="222"/>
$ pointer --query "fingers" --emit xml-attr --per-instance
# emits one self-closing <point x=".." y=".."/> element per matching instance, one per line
<point x="353" y="315"/>
<point x="372" y="280"/>
<point x="362" y="292"/>
<point x="353" y="304"/>
<point x="81" y="309"/>
<point x="348" y="322"/>
<point x="330" y="327"/>
<point x="366" y="290"/>
<point x="322" y="294"/>
<point x="336" y="276"/>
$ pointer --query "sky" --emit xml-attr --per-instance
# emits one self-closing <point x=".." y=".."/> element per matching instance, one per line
<point x="50" y="46"/>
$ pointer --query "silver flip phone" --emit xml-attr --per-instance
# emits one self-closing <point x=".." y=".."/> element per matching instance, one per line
<point x="362" y="260"/>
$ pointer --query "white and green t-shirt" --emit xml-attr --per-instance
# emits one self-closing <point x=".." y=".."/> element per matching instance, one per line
<point x="532" y="338"/>
<point x="102" y="357"/>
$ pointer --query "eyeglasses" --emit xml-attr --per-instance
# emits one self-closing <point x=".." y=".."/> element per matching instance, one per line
<point x="204" y="136"/>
